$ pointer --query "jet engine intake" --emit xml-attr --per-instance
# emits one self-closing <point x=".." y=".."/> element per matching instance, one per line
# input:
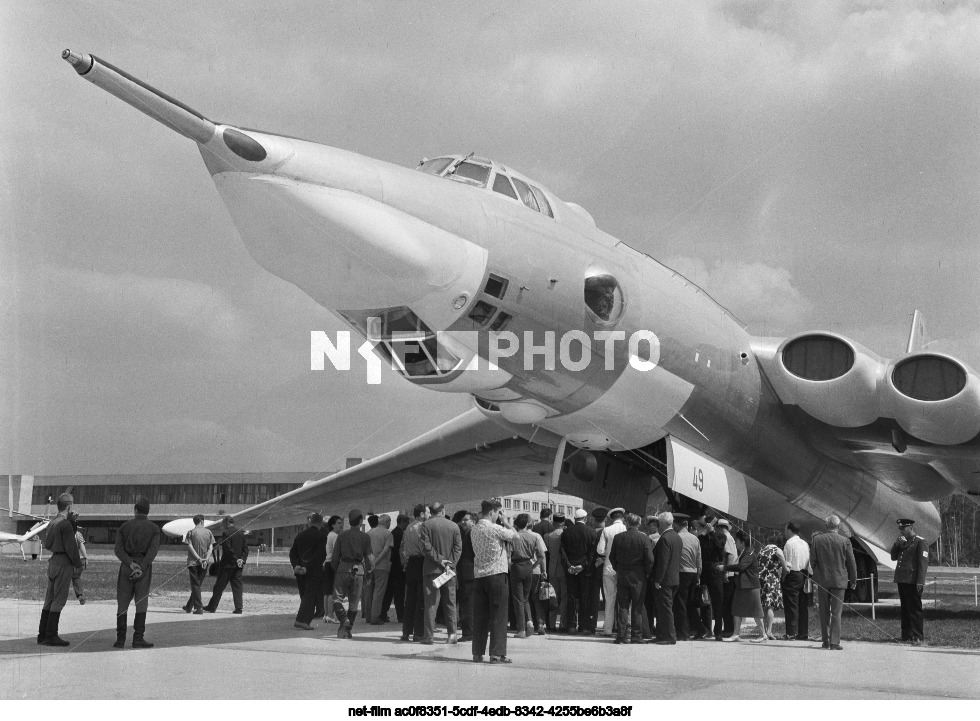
<point x="830" y="377"/>
<point x="934" y="397"/>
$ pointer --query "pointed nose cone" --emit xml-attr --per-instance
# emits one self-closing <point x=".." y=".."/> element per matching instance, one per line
<point x="313" y="215"/>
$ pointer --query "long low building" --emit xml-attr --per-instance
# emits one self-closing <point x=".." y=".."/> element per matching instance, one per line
<point x="105" y="502"/>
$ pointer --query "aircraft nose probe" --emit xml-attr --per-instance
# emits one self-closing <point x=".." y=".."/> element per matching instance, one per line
<point x="159" y="106"/>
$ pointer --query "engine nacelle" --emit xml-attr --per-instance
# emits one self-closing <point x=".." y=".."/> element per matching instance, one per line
<point x="934" y="397"/>
<point x="830" y="377"/>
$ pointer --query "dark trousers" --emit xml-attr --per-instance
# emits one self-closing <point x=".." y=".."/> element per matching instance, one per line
<point x="128" y="589"/>
<point x="226" y="575"/>
<point x="464" y="605"/>
<point x="520" y="594"/>
<point x="490" y="614"/>
<point x="665" y="613"/>
<point x="395" y="592"/>
<point x="650" y="608"/>
<point x="728" y="594"/>
<point x="592" y="606"/>
<point x="685" y="604"/>
<point x="196" y="575"/>
<point x="716" y="590"/>
<point x="575" y="586"/>
<point x="310" y="596"/>
<point x="911" y="599"/>
<point x="795" y="603"/>
<point x="414" y="613"/>
<point x="630" y="591"/>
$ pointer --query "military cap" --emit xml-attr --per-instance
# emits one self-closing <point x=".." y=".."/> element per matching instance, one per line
<point x="681" y="517"/>
<point x="723" y="522"/>
<point x="599" y="513"/>
<point x="902" y="522"/>
<point x="559" y="518"/>
<point x="617" y="509"/>
<point x="142" y="505"/>
<point x="66" y="498"/>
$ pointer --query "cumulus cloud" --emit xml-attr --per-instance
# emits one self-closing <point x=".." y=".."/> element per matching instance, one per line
<point x="761" y="296"/>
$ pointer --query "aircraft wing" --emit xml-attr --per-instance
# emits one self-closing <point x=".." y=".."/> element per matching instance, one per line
<point x="14" y="538"/>
<point x="465" y="459"/>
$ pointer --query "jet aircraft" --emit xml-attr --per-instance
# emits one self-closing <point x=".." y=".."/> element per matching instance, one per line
<point x="592" y="367"/>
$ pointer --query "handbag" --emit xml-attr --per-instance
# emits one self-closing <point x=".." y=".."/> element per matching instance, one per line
<point x="705" y="597"/>
<point x="546" y="592"/>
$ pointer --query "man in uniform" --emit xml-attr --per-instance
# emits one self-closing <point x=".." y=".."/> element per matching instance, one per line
<point x="60" y="540"/>
<point x="352" y="560"/>
<point x="599" y="517"/>
<point x="912" y="553"/>
<point x="614" y="527"/>
<point x="137" y="542"/>
<point x="234" y="553"/>
<point x="307" y="556"/>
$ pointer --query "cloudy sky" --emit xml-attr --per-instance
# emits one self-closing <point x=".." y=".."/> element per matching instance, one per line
<point x="810" y="164"/>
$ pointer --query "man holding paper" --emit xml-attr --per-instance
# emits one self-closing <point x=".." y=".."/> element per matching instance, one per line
<point x="442" y="545"/>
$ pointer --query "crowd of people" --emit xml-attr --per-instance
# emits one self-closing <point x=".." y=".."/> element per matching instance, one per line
<point x="664" y="579"/>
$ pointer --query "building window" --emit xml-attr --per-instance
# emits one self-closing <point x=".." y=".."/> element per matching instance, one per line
<point x="527" y="505"/>
<point x="506" y="503"/>
<point x="534" y="506"/>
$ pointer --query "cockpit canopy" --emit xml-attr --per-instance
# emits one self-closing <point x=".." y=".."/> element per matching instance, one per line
<point x="484" y="173"/>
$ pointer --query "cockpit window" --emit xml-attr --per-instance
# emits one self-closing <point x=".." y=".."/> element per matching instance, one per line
<point x="471" y="174"/>
<point x="527" y="197"/>
<point x="501" y="184"/>
<point x="543" y="205"/>
<point x="434" y="166"/>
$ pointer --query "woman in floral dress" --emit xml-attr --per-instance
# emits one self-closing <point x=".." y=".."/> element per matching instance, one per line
<point x="772" y="566"/>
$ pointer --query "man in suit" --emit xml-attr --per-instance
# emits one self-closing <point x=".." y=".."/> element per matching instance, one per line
<point x="234" y="553"/>
<point x="307" y="556"/>
<point x="442" y="545"/>
<point x="576" y="548"/>
<point x="376" y="583"/>
<point x="599" y="518"/>
<point x="395" y="592"/>
<point x="912" y="554"/>
<point x="413" y="615"/>
<point x="556" y="576"/>
<point x="631" y="556"/>
<point x="544" y="526"/>
<point x="832" y="559"/>
<point x="666" y="577"/>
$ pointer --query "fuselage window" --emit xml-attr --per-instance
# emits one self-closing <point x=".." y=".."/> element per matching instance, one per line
<point x="482" y="312"/>
<point x="527" y="197"/>
<point x="471" y="174"/>
<point x="405" y="341"/>
<point x="496" y="286"/>
<point x="603" y="298"/>
<point x="501" y="321"/>
<point x="501" y="184"/>
<point x="543" y="203"/>
<point x="434" y="166"/>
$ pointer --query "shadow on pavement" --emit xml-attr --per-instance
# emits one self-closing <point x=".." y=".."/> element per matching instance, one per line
<point x="194" y="631"/>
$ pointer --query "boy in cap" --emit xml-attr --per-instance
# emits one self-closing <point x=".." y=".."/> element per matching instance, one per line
<point x="912" y="554"/>
<point x="137" y="543"/>
<point x="352" y="559"/>
<point x="60" y="540"/>
<point x="234" y="553"/>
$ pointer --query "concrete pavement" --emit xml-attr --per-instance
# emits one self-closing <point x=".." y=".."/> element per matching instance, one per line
<point x="259" y="655"/>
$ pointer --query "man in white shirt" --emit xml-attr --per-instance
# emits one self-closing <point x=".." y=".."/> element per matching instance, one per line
<point x="686" y="616"/>
<point x="731" y="557"/>
<point x="491" y="551"/>
<point x="615" y="527"/>
<point x="796" y="551"/>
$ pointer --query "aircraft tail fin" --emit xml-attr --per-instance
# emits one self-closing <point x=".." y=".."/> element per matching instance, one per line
<point x="917" y="334"/>
<point x="159" y="106"/>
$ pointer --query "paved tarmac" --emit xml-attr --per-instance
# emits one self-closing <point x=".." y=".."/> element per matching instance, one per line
<point x="259" y="655"/>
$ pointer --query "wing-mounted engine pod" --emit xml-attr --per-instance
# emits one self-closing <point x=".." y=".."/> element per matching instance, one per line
<point x="832" y="378"/>
<point x="934" y="397"/>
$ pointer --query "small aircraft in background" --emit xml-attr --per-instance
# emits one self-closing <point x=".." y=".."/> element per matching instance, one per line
<point x="37" y="528"/>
